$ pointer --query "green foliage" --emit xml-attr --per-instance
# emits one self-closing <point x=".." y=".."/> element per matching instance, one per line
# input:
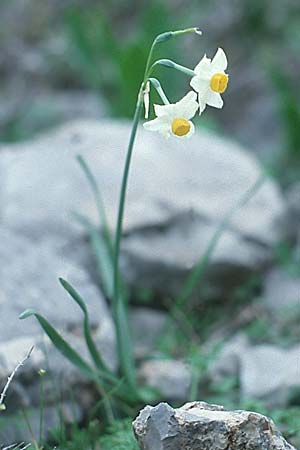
<point x="288" y="258"/>
<point x="75" y="438"/>
<point x="107" y="254"/>
<point x="60" y="343"/>
<point x="98" y="361"/>
<point x="119" y="437"/>
<point x="199" y="362"/>
<point x="102" y="56"/>
<point x="288" y="99"/>
<point x="259" y="330"/>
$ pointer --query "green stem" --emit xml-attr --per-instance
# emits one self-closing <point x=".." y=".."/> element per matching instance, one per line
<point x="148" y="69"/>
<point x="122" y="329"/>
<point x="41" y="410"/>
<point x="156" y="84"/>
<point x="120" y="314"/>
<point x="172" y="65"/>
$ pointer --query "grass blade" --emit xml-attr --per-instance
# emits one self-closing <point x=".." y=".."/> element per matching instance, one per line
<point x="100" y="364"/>
<point x="103" y="258"/>
<point x="98" y="201"/>
<point x="60" y="343"/>
<point x="196" y="275"/>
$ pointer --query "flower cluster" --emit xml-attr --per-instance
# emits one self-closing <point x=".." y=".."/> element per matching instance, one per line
<point x="208" y="81"/>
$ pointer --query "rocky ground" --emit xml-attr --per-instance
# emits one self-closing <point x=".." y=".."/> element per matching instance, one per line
<point x="236" y="335"/>
<point x="177" y="198"/>
<point x="199" y="425"/>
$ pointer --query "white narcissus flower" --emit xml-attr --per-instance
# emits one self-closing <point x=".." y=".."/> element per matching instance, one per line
<point x="174" y="118"/>
<point x="210" y="80"/>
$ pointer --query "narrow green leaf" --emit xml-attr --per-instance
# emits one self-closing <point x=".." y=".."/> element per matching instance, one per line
<point x="103" y="258"/>
<point x="98" y="201"/>
<point x="60" y="343"/>
<point x="171" y="64"/>
<point x="194" y="278"/>
<point x="125" y="343"/>
<point x="100" y="364"/>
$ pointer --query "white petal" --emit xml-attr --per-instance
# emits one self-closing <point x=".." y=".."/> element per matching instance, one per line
<point x="154" y="125"/>
<point x="199" y="84"/>
<point x="161" y="124"/>
<point x="219" y="62"/>
<point x="203" y="67"/>
<point x="202" y="103"/>
<point x="214" y="99"/>
<point x="187" y="106"/>
<point x="166" y="133"/>
<point x="163" y="110"/>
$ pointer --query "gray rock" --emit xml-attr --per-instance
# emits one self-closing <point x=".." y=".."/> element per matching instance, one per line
<point x="227" y="363"/>
<point x="265" y="372"/>
<point x="281" y="291"/>
<point x="269" y="373"/>
<point x="146" y="326"/>
<point x="177" y="196"/>
<point x="292" y="222"/>
<point x="29" y="280"/>
<point x="172" y="379"/>
<point x="199" y="425"/>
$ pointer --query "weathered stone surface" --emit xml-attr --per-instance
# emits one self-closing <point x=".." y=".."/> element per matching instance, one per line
<point x="227" y="363"/>
<point x="177" y="196"/>
<point x="172" y="379"/>
<point x="269" y="373"/>
<point x="265" y="372"/>
<point x="281" y="290"/>
<point x="201" y="426"/>
<point x="29" y="279"/>
<point x="146" y="326"/>
<point x="29" y="272"/>
<point x="292" y="220"/>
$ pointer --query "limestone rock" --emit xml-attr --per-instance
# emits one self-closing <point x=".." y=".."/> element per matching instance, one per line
<point x="228" y="362"/>
<point x="28" y="276"/>
<point x="281" y="291"/>
<point x="265" y="372"/>
<point x="292" y="222"/>
<point x="199" y="425"/>
<point x="172" y="379"/>
<point x="269" y="373"/>
<point x="177" y="196"/>
<point x="146" y="326"/>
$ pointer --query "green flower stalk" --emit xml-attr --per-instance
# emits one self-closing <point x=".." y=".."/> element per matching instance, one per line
<point x="208" y="80"/>
<point x="123" y="336"/>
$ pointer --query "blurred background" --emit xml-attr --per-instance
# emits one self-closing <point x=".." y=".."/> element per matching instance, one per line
<point x="68" y="59"/>
<point x="65" y="59"/>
